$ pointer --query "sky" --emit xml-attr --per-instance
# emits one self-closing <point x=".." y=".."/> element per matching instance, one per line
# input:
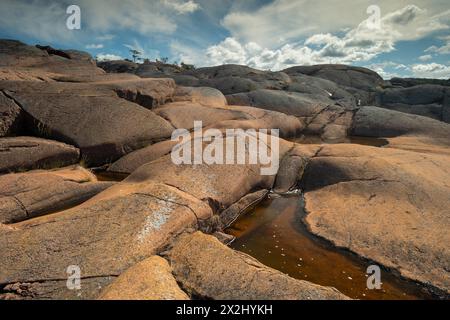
<point x="406" y="38"/>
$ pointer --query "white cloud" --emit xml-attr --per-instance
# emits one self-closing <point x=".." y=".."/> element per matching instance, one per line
<point x="141" y="16"/>
<point x="228" y="51"/>
<point x="285" y="20"/>
<point x="445" y="49"/>
<point x="186" y="53"/>
<point x="46" y="20"/>
<point x="388" y="69"/>
<point x="431" y="70"/>
<point x="94" y="46"/>
<point x="106" y="37"/>
<point x="426" y="57"/>
<point x="362" y="43"/>
<point x="358" y="44"/>
<point x="108" y="57"/>
<point x="182" y="7"/>
<point x="31" y="19"/>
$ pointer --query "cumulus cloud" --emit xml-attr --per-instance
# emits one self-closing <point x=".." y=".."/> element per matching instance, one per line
<point x="388" y="69"/>
<point x="94" y="46"/>
<point x="444" y="49"/>
<point x="230" y="51"/>
<point x="108" y="57"/>
<point x="431" y="70"/>
<point x="182" y="7"/>
<point x="441" y="50"/>
<point x="285" y="20"/>
<point x="105" y="37"/>
<point x="186" y="53"/>
<point x="361" y="43"/>
<point x="426" y="57"/>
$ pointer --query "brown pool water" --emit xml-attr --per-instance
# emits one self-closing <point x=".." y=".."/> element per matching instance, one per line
<point x="110" y="176"/>
<point x="274" y="234"/>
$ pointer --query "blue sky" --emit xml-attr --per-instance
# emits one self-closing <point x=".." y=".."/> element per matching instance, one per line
<point x="395" y="38"/>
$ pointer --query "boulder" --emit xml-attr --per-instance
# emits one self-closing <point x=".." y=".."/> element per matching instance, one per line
<point x="149" y="70"/>
<point x="45" y="62"/>
<point x="302" y="83"/>
<point x="379" y="122"/>
<point x="350" y="203"/>
<point x="25" y="153"/>
<point x="230" y="85"/>
<point x="135" y="159"/>
<point x="206" y="268"/>
<point x="91" y="78"/>
<point x="433" y="111"/>
<point x="223" y="184"/>
<point x="27" y="195"/>
<point x="319" y="114"/>
<point x="118" y="66"/>
<point x="258" y="119"/>
<point x="104" y="236"/>
<point x="420" y="144"/>
<point x="252" y="118"/>
<point x="11" y="116"/>
<point x="183" y="114"/>
<point x="417" y="95"/>
<point x="346" y="76"/>
<point x="426" y="100"/>
<point x="291" y="170"/>
<point x="91" y="117"/>
<point x="232" y="79"/>
<point x="208" y="97"/>
<point x="446" y="107"/>
<point x="411" y="82"/>
<point x="233" y="70"/>
<point x="291" y="103"/>
<point x="13" y="53"/>
<point x="149" y="93"/>
<point x="150" y="279"/>
<point x="184" y="80"/>
<point x="233" y="212"/>
<point x="157" y="69"/>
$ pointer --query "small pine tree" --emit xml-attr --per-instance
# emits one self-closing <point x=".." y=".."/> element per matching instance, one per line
<point x="136" y="55"/>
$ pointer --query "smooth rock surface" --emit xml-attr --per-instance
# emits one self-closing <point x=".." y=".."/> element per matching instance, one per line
<point x="210" y="270"/>
<point x="27" y="195"/>
<point x="150" y="279"/>
<point x="104" y="126"/>
<point x="387" y="205"/>
<point x="25" y="153"/>
<point x="103" y="237"/>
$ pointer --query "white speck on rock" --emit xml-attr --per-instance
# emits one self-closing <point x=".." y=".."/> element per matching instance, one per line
<point x="155" y="220"/>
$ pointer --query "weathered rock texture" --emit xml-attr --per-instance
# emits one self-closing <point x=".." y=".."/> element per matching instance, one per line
<point x="19" y="61"/>
<point x="387" y="205"/>
<point x="27" y="195"/>
<point x="10" y="116"/>
<point x="208" y="269"/>
<point x="92" y="117"/>
<point x="103" y="237"/>
<point x="24" y="153"/>
<point x="150" y="279"/>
